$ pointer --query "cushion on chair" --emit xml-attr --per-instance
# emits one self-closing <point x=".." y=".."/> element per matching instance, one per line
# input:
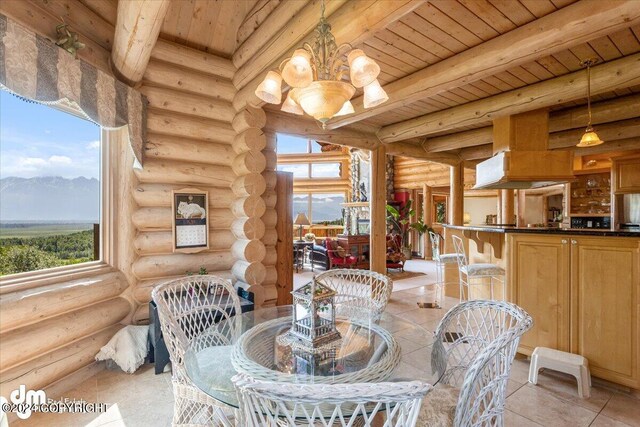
<point x="483" y="270"/>
<point x="439" y="407"/>
<point x="448" y="258"/>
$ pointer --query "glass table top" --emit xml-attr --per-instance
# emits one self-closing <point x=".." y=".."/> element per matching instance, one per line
<point x="388" y="349"/>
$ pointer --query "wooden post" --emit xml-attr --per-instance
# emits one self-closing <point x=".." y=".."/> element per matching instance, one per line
<point x="378" y="247"/>
<point x="456" y="195"/>
<point x="507" y="210"/>
<point x="427" y="206"/>
<point x="284" y="246"/>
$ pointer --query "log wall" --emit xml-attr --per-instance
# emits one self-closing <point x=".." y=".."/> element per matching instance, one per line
<point x="54" y="330"/>
<point x="190" y="143"/>
<point x="51" y="328"/>
<point x="410" y="174"/>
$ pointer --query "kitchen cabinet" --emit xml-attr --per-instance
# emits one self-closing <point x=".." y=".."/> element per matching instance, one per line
<point x="626" y="175"/>
<point x="583" y="294"/>
<point x="605" y="282"/>
<point x="540" y="269"/>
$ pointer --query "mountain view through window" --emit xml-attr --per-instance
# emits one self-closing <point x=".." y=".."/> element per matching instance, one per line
<point x="49" y="187"/>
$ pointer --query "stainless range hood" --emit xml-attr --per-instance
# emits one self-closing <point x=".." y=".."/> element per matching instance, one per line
<point x="521" y="159"/>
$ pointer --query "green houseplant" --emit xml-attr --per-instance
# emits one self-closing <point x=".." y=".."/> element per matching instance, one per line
<point x="400" y="220"/>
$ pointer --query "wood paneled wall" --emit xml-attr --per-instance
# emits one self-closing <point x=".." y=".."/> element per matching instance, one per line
<point x="411" y="174"/>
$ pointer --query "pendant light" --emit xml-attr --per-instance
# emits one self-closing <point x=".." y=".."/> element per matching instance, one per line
<point x="590" y="137"/>
<point x="323" y="78"/>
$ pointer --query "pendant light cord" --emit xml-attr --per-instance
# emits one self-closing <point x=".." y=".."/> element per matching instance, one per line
<point x="589" y="91"/>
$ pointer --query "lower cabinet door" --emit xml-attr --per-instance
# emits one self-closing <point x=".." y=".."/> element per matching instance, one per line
<point x="605" y="286"/>
<point x="540" y="282"/>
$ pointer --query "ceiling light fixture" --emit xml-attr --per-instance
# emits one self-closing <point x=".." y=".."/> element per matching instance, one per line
<point x="590" y="137"/>
<point x="317" y="76"/>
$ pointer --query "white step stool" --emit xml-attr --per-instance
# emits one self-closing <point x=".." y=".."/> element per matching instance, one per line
<point x="561" y="361"/>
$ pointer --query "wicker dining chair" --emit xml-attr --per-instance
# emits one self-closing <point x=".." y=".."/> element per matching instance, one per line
<point x="475" y="344"/>
<point x="272" y="404"/>
<point x="360" y="293"/>
<point x="187" y="307"/>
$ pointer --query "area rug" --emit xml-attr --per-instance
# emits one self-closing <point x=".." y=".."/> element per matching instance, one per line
<point x="401" y="275"/>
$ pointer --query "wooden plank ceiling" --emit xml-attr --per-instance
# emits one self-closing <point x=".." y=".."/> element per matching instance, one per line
<point x="211" y="26"/>
<point x="412" y="38"/>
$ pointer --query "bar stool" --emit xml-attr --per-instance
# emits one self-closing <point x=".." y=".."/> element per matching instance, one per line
<point x="468" y="272"/>
<point x="441" y="261"/>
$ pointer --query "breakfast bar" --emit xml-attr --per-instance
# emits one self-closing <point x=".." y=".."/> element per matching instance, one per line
<point x="581" y="286"/>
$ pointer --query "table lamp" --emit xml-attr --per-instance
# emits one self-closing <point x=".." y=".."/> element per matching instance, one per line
<point x="301" y="221"/>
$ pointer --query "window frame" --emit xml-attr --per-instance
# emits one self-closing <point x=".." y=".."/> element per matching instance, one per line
<point x="109" y="168"/>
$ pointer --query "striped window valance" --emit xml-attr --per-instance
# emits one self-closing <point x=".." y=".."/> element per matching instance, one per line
<point x="33" y="67"/>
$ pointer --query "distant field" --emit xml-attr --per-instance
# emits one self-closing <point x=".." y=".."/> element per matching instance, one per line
<point x="40" y="230"/>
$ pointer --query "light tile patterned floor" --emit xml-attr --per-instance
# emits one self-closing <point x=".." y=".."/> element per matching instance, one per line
<point x="144" y="399"/>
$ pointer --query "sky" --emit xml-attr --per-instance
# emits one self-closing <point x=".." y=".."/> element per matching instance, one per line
<point x="38" y="140"/>
<point x="290" y="144"/>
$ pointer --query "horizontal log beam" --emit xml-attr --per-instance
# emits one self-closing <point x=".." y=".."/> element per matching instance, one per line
<point x="291" y="125"/>
<point x="160" y="195"/>
<point x="188" y="103"/>
<point x="20" y="309"/>
<point x="616" y="109"/>
<point x="161" y="242"/>
<point x="176" y="172"/>
<point x="607" y="132"/>
<point x="278" y="19"/>
<point x="168" y="123"/>
<point x="179" y="148"/>
<point x="165" y="74"/>
<point x="620" y="73"/>
<point x="23" y="344"/>
<point x="568" y="27"/>
<point x="159" y="219"/>
<point x="157" y="266"/>
<point x="137" y="28"/>
<point x="48" y="368"/>
<point x="353" y="22"/>
<point x="194" y="59"/>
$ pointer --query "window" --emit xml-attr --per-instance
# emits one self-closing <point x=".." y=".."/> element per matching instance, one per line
<point x="50" y="187"/>
<point x="325" y="170"/>
<point x="319" y="208"/>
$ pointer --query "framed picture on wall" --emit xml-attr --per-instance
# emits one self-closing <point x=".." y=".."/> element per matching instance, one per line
<point x="190" y="220"/>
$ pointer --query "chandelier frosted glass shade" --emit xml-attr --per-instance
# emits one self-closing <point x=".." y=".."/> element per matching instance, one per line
<point x="374" y="95"/>
<point x="363" y="70"/>
<point x="589" y="138"/>
<point x="322" y="77"/>
<point x="297" y="71"/>
<point x="323" y="99"/>
<point x="347" y="108"/>
<point x="290" y="106"/>
<point x="270" y="90"/>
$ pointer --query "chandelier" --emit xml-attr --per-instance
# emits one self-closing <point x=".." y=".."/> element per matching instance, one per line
<point x="590" y="137"/>
<point x="316" y="75"/>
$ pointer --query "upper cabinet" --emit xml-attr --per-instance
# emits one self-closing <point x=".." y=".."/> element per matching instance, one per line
<point x="626" y="175"/>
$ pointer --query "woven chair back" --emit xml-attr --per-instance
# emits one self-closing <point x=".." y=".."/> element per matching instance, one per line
<point x="272" y="404"/>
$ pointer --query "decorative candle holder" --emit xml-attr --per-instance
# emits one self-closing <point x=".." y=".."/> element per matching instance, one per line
<point x="313" y="326"/>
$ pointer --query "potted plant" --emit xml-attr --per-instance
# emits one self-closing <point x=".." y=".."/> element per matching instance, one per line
<point x="400" y="219"/>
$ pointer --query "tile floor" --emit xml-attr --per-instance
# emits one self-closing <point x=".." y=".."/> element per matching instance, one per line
<point x="144" y="399"/>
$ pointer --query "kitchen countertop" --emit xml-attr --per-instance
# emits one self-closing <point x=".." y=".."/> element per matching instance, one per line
<point x="547" y="230"/>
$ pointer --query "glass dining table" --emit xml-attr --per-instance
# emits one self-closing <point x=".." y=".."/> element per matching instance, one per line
<point x="382" y="349"/>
